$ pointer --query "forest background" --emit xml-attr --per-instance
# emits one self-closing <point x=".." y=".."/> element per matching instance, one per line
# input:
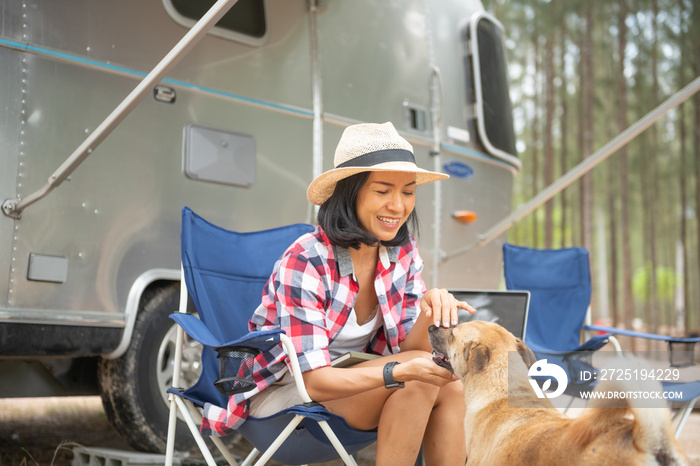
<point x="581" y="72"/>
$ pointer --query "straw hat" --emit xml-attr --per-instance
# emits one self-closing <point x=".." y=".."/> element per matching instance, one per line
<point x="368" y="147"/>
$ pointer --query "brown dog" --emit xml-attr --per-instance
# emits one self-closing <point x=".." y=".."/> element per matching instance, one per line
<point x="483" y="355"/>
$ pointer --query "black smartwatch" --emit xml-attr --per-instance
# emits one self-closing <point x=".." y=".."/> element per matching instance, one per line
<point x="389" y="381"/>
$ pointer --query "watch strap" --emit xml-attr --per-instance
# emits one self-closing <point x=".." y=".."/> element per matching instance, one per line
<point x="389" y="381"/>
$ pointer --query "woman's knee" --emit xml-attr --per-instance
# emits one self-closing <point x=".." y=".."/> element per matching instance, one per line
<point x="452" y="395"/>
<point x="453" y="389"/>
<point x="422" y="393"/>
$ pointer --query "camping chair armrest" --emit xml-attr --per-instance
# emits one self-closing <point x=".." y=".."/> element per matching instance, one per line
<point x="195" y="328"/>
<point x="295" y="368"/>
<point x="594" y="343"/>
<point x="633" y="333"/>
<point x="263" y="341"/>
<point x="680" y="345"/>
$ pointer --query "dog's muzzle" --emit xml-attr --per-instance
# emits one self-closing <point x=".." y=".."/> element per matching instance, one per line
<point x="442" y="361"/>
<point x="439" y="358"/>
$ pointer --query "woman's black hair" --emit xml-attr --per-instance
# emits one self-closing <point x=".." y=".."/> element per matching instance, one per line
<point x="338" y="217"/>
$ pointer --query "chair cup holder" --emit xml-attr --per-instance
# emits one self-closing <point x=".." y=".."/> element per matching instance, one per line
<point x="682" y="354"/>
<point x="235" y="369"/>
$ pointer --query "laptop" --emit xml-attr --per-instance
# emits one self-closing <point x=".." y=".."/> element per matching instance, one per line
<point x="508" y="308"/>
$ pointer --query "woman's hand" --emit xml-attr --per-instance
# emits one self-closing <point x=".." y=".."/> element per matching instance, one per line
<point x="442" y="307"/>
<point x="425" y="370"/>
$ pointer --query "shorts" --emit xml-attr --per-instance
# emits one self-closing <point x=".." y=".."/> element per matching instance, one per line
<point x="278" y="396"/>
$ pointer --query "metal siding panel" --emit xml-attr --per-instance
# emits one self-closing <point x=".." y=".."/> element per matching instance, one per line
<point x="369" y="69"/>
<point x="11" y="19"/>
<point x="136" y="34"/>
<point x="10" y="148"/>
<point x="447" y="29"/>
<point x="488" y="194"/>
<point x="118" y="214"/>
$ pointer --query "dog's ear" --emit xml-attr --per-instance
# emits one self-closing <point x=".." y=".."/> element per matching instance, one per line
<point x="477" y="356"/>
<point x="526" y="353"/>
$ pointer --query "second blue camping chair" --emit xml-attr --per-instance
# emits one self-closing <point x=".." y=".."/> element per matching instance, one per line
<point x="559" y="281"/>
<point x="224" y="273"/>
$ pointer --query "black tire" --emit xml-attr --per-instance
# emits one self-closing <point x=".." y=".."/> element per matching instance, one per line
<point x="133" y="387"/>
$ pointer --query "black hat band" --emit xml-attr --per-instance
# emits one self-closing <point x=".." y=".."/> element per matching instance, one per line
<point x="381" y="156"/>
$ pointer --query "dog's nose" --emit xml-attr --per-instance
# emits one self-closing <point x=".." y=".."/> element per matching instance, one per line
<point x="432" y="328"/>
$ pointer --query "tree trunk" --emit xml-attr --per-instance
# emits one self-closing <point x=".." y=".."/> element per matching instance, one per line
<point x="682" y="310"/>
<point x="627" y="296"/>
<point x="536" y="140"/>
<point x="548" y="126"/>
<point x="613" y="241"/>
<point x="589" y="96"/>
<point x="653" y="179"/>
<point x="580" y="137"/>
<point x="563" y="128"/>
<point x="694" y="28"/>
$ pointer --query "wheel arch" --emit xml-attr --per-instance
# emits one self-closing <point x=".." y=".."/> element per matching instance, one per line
<point x="146" y="281"/>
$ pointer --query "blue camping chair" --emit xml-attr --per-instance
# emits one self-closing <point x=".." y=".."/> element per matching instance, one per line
<point x="559" y="282"/>
<point x="224" y="272"/>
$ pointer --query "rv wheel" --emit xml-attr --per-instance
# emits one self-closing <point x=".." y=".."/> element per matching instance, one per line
<point x="133" y="387"/>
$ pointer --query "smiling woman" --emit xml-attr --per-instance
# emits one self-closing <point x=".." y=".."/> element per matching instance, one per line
<point x="355" y="284"/>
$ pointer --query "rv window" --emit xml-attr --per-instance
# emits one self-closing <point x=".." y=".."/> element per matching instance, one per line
<point x="246" y="17"/>
<point x="489" y="71"/>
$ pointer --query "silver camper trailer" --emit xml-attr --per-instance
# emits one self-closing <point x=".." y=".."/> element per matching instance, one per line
<point x="235" y="131"/>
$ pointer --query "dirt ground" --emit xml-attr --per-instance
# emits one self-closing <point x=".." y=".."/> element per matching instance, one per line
<point x="43" y="431"/>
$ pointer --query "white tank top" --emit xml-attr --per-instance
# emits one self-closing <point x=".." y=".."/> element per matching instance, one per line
<point x="353" y="336"/>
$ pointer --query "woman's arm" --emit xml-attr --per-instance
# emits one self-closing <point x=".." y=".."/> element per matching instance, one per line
<point x="330" y="383"/>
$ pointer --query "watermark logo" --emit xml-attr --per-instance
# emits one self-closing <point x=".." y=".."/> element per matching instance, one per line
<point x="643" y="379"/>
<point x="543" y="369"/>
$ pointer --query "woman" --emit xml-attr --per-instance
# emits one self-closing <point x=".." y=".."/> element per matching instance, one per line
<point x="355" y="284"/>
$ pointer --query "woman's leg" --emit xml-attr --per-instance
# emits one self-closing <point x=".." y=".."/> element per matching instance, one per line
<point x="400" y="416"/>
<point x="403" y="424"/>
<point x="407" y="417"/>
<point x="443" y="443"/>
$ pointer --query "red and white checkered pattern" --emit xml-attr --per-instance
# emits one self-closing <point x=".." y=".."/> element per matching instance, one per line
<point x="310" y="295"/>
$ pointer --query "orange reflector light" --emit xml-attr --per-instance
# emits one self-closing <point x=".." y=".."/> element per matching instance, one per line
<point x="464" y="216"/>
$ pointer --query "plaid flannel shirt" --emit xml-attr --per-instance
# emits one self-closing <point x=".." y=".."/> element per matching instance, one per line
<point x="309" y="295"/>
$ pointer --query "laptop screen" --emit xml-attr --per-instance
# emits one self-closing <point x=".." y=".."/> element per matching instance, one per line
<point x="507" y="308"/>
